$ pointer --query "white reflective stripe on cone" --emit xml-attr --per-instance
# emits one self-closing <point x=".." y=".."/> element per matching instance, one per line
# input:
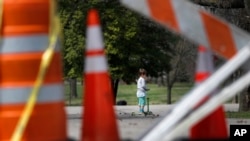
<point x="204" y="63"/>
<point x="21" y="44"/>
<point x="47" y="93"/>
<point x="94" y="38"/>
<point x="95" y="64"/>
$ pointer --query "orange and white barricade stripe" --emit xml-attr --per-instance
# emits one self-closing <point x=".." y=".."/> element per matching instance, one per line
<point x="25" y="36"/>
<point x="99" y="120"/>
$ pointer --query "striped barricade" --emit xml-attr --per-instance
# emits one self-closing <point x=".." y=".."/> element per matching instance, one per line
<point x="25" y="36"/>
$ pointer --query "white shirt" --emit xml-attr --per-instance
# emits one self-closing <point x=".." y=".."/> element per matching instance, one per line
<point x="141" y="87"/>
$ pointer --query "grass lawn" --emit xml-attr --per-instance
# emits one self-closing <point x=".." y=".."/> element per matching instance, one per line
<point x="238" y="115"/>
<point x="157" y="95"/>
<point x="73" y="101"/>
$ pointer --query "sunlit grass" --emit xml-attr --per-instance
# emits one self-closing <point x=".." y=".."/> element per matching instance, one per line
<point x="157" y="95"/>
<point x="238" y="115"/>
<point x="73" y="101"/>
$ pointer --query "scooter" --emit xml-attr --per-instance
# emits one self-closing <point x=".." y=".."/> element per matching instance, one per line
<point x="147" y="113"/>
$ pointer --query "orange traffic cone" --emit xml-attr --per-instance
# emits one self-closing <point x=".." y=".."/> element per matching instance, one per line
<point x="25" y="36"/>
<point x="213" y="126"/>
<point x="99" y="121"/>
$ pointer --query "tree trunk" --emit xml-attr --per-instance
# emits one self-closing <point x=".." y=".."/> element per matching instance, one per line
<point x="73" y="87"/>
<point x="236" y="76"/>
<point x="162" y="80"/>
<point x="169" y="95"/>
<point x="244" y="104"/>
<point x="115" y="84"/>
<point x="236" y="98"/>
<point x="169" y="87"/>
<point x="243" y="101"/>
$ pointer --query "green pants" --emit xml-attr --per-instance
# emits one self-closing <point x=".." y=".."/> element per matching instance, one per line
<point x="142" y="101"/>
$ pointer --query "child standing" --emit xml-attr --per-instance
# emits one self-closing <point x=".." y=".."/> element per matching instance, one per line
<point x="141" y="89"/>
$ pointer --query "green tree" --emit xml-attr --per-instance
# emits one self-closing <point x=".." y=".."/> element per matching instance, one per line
<point x="182" y="58"/>
<point x="72" y="18"/>
<point x="119" y="26"/>
<point x="131" y="41"/>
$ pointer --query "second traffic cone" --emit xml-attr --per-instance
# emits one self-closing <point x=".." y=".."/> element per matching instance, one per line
<point x="214" y="125"/>
<point x="99" y="121"/>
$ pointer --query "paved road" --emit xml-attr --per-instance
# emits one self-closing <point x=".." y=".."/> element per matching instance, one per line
<point x="131" y="127"/>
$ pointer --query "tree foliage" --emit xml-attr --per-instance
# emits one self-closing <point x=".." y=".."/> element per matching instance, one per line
<point x="72" y="18"/>
<point x="131" y="41"/>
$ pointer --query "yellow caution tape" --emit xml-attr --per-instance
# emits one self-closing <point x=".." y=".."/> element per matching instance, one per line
<point x="46" y="59"/>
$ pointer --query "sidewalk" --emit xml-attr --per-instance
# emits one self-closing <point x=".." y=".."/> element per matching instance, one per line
<point x="131" y="127"/>
<point x="77" y="110"/>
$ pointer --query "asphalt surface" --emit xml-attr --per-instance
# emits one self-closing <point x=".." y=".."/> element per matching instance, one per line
<point x="133" y="126"/>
